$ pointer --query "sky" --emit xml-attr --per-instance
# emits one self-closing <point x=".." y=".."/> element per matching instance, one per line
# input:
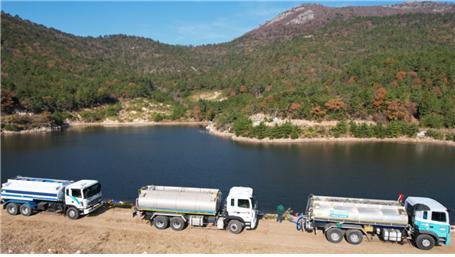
<point x="183" y="23"/>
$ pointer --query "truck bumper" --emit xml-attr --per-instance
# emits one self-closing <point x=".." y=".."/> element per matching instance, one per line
<point x="92" y="208"/>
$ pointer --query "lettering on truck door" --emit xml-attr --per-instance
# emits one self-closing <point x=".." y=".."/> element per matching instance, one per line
<point x="73" y="197"/>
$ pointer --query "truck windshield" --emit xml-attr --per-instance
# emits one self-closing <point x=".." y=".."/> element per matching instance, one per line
<point x="92" y="190"/>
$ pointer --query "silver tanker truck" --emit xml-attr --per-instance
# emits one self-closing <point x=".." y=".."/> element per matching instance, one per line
<point x="178" y="207"/>
<point x="423" y="221"/>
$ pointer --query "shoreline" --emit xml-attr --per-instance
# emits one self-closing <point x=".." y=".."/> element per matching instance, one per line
<point x="283" y="141"/>
<point x="76" y="125"/>
<point x="210" y="128"/>
<point x="137" y="124"/>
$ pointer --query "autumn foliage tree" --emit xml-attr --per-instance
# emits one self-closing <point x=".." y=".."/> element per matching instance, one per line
<point x="379" y="96"/>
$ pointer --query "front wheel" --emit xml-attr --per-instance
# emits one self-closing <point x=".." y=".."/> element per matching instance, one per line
<point x="425" y="242"/>
<point x="235" y="226"/>
<point x="72" y="213"/>
<point x="12" y="209"/>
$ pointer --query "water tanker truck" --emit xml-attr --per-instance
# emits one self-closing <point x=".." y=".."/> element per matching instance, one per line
<point x="27" y="195"/>
<point x="423" y="221"/>
<point x="179" y="207"/>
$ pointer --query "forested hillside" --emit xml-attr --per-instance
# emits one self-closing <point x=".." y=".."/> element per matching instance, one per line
<point x="379" y="68"/>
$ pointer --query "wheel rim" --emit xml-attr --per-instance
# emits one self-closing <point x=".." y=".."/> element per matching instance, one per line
<point x="12" y="209"/>
<point x="177" y="224"/>
<point x="25" y="210"/>
<point x="160" y="223"/>
<point x="335" y="236"/>
<point x="72" y="213"/>
<point x="426" y="242"/>
<point x="234" y="227"/>
<point x="354" y="238"/>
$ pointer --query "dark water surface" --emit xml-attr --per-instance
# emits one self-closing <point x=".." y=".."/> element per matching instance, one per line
<point x="124" y="159"/>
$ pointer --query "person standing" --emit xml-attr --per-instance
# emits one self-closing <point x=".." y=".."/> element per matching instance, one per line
<point x="280" y="212"/>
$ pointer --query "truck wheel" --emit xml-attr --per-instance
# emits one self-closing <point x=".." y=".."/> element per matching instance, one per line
<point x="425" y="242"/>
<point x="25" y="210"/>
<point x="354" y="237"/>
<point x="12" y="209"/>
<point x="334" y="235"/>
<point x="235" y="226"/>
<point x="161" y="222"/>
<point x="177" y="223"/>
<point x="72" y="213"/>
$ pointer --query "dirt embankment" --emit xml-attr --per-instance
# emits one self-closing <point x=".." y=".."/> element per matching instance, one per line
<point x="115" y="231"/>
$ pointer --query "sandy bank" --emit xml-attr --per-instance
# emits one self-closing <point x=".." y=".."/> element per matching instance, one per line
<point x="212" y="130"/>
<point x="116" y="231"/>
<point x="32" y="131"/>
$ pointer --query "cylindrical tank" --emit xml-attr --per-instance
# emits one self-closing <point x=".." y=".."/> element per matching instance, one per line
<point x="357" y="210"/>
<point x="179" y="200"/>
<point x="29" y="189"/>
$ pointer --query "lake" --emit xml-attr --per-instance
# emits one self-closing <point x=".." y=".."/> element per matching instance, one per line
<point x="126" y="158"/>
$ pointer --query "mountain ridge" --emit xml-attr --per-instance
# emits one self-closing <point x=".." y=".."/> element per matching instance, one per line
<point x="308" y="17"/>
<point x="386" y="68"/>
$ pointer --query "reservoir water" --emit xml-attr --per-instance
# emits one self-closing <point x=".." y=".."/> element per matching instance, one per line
<point x="126" y="158"/>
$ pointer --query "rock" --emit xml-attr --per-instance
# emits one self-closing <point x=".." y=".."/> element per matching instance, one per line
<point x="421" y="134"/>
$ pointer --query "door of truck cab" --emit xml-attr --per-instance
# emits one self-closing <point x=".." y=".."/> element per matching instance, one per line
<point x="435" y="222"/>
<point x="74" y="197"/>
<point x="243" y="208"/>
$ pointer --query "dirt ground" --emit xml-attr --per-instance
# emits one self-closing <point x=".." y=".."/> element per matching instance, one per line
<point x="115" y="231"/>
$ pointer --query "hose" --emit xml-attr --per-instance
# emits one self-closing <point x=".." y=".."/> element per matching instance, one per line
<point x="299" y="222"/>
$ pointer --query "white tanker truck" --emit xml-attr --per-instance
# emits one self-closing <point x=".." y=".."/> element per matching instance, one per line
<point x="178" y="207"/>
<point x="423" y="221"/>
<point x="26" y="195"/>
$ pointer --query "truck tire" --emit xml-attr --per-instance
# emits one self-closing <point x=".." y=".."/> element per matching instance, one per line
<point x="177" y="223"/>
<point x="25" y="210"/>
<point x="161" y="222"/>
<point x="334" y="235"/>
<point x="424" y="242"/>
<point x="235" y="226"/>
<point x="12" y="209"/>
<point x="354" y="236"/>
<point x="72" y="213"/>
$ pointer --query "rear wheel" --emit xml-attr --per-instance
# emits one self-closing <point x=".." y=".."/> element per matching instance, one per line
<point x="177" y="223"/>
<point x="26" y="210"/>
<point x="161" y="222"/>
<point x="235" y="226"/>
<point x="354" y="237"/>
<point x="72" y="213"/>
<point x="425" y="242"/>
<point x="334" y="235"/>
<point x="12" y="209"/>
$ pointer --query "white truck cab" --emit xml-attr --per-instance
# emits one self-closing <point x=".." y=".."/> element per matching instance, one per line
<point x="430" y="222"/>
<point x="241" y="203"/>
<point x="85" y="195"/>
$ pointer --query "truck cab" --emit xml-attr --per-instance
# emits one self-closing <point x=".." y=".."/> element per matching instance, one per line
<point x="430" y="222"/>
<point x="83" y="197"/>
<point x="241" y="206"/>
